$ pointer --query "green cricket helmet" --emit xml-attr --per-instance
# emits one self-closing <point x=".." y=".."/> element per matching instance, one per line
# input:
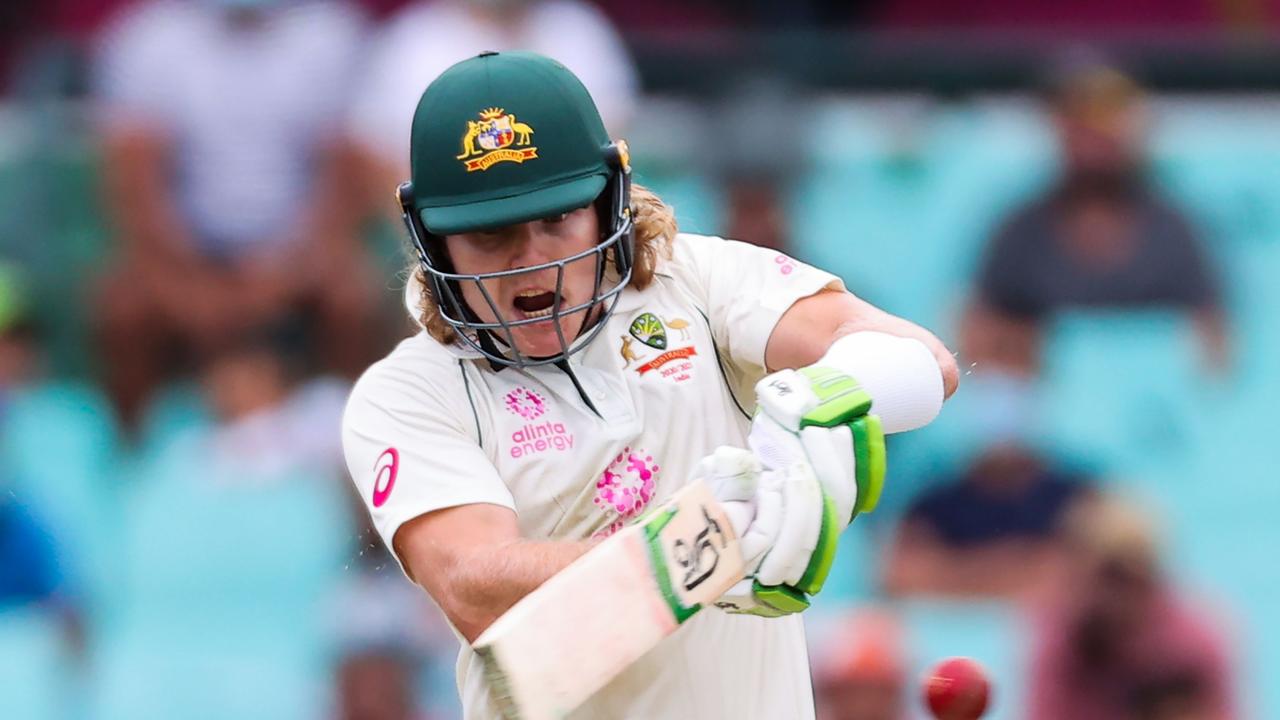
<point x="506" y="138"/>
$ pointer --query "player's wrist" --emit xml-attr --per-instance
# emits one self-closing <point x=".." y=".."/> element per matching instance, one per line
<point x="822" y="414"/>
<point x="901" y="376"/>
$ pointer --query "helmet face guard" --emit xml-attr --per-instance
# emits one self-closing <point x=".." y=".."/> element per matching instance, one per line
<point x="616" y="247"/>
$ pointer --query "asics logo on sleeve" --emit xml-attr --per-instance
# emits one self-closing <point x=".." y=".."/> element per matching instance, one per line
<point x="384" y="475"/>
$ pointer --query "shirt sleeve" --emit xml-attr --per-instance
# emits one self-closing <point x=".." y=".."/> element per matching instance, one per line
<point x="746" y="289"/>
<point x="410" y="451"/>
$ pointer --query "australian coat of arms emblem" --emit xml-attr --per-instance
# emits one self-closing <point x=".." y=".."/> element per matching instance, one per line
<point x="496" y="137"/>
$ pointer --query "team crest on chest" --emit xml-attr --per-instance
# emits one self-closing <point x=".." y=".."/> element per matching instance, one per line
<point x="496" y="137"/>
<point x="651" y="331"/>
<point x="648" y="329"/>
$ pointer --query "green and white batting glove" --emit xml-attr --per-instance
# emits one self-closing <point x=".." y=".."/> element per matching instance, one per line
<point x="813" y="433"/>
<point x="780" y="518"/>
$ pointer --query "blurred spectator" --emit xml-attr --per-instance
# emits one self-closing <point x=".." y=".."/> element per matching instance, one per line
<point x="19" y="350"/>
<point x="427" y="37"/>
<point x="231" y="186"/>
<point x="237" y="519"/>
<point x="1117" y="641"/>
<point x="994" y="529"/>
<point x="391" y="639"/>
<point x="377" y="684"/>
<point x="755" y="174"/>
<point x="1102" y="236"/>
<point x="861" y="673"/>
<point x="29" y="571"/>
<point x="1081" y="18"/>
<point x="269" y="421"/>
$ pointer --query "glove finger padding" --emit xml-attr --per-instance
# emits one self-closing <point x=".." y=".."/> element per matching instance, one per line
<point x="801" y="556"/>
<point x="831" y="452"/>
<point x="762" y="532"/>
<point x="733" y="476"/>
<point x="804" y="549"/>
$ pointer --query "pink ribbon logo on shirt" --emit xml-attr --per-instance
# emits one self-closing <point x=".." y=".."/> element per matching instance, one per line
<point x="384" y="475"/>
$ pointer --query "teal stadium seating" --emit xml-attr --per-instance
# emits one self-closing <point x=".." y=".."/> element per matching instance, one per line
<point x="35" y="670"/>
<point x="58" y="448"/>
<point x="899" y="200"/>
<point x="222" y="591"/>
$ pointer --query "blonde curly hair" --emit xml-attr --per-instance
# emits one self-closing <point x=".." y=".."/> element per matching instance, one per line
<point x="655" y="229"/>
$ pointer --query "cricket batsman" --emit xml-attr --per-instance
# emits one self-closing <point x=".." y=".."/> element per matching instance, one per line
<point x="580" y="360"/>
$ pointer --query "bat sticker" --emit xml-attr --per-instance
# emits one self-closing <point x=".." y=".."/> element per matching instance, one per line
<point x="700" y="560"/>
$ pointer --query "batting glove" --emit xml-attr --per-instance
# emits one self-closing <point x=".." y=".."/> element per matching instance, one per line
<point x="780" y="518"/>
<point x="814" y="432"/>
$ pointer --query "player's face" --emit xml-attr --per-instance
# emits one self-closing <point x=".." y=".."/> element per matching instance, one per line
<point x="531" y="295"/>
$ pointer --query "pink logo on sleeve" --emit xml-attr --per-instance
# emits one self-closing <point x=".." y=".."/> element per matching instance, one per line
<point x="384" y="475"/>
<point x="526" y="403"/>
<point x="786" y="265"/>
<point x="626" y="486"/>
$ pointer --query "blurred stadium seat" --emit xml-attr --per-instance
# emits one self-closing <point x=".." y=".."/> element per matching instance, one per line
<point x="854" y="575"/>
<point x="899" y="208"/>
<point x="58" y="445"/>
<point x="35" y="670"/>
<point x="222" y="592"/>
<point x="1116" y="391"/>
<point x="52" y="222"/>
<point x="698" y="204"/>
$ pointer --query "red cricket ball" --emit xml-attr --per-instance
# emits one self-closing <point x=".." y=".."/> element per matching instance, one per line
<point x="957" y="689"/>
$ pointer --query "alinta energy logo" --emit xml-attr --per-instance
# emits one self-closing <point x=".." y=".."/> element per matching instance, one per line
<point x="535" y="438"/>
<point x="626" y="487"/>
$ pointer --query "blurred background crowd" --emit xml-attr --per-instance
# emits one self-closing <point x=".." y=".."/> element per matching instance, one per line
<point x="198" y="253"/>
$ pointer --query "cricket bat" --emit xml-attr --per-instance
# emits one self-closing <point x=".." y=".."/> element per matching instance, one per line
<point x="564" y="641"/>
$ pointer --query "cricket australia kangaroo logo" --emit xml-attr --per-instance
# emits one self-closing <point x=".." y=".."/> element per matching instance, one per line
<point x="490" y="139"/>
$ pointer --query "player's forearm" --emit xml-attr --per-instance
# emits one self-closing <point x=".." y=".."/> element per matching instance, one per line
<point x="812" y="329"/>
<point x="876" y="320"/>
<point x="478" y="587"/>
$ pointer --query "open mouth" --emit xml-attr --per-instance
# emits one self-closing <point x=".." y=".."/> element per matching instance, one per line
<point x="535" y="303"/>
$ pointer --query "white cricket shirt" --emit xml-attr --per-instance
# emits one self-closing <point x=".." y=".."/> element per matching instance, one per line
<point x="668" y="380"/>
